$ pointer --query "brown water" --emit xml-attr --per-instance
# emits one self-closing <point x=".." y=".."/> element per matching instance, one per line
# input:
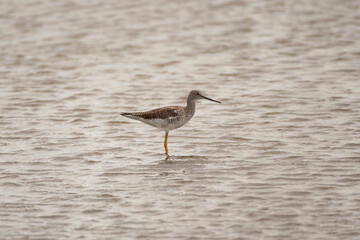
<point x="279" y="159"/>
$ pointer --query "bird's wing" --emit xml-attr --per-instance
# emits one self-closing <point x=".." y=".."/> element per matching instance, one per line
<point x="160" y="113"/>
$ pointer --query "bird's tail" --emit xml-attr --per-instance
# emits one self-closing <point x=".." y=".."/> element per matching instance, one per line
<point x="128" y="115"/>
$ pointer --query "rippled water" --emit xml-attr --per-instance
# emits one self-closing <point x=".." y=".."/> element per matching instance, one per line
<point x="278" y="159"/>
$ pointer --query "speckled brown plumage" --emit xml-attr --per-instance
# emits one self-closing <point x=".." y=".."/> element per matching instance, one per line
<point x="159" y="113"/>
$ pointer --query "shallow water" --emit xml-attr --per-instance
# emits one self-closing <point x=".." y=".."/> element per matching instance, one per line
<point x="278" y="159"/>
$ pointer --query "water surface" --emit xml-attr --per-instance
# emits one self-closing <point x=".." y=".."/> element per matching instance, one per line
<point x="278" y="159"/>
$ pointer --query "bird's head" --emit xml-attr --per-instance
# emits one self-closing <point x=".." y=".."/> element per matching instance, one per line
<point x="196" y="95"/>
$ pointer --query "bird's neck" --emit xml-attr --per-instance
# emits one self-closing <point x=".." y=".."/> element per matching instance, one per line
<point x="190" y="107"/>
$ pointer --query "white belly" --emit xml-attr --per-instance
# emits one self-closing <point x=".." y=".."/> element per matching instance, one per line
<point x="164" y="124"/>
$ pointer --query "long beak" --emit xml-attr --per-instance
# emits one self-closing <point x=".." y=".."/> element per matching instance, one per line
<point x="210" y="99"/>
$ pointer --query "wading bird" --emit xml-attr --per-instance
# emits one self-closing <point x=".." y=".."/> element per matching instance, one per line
<point x="169" y="118"/>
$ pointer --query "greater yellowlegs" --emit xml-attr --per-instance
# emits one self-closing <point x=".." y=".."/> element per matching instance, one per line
<point x="169" y="118"/>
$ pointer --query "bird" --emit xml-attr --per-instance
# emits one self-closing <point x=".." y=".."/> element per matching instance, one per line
<point x="171" y="117"/>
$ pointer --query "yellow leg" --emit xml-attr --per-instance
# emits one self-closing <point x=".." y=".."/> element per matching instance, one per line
<point x="165" y="143"/>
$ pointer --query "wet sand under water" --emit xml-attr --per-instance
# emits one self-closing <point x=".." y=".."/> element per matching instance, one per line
<point x="278" y="159"/>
